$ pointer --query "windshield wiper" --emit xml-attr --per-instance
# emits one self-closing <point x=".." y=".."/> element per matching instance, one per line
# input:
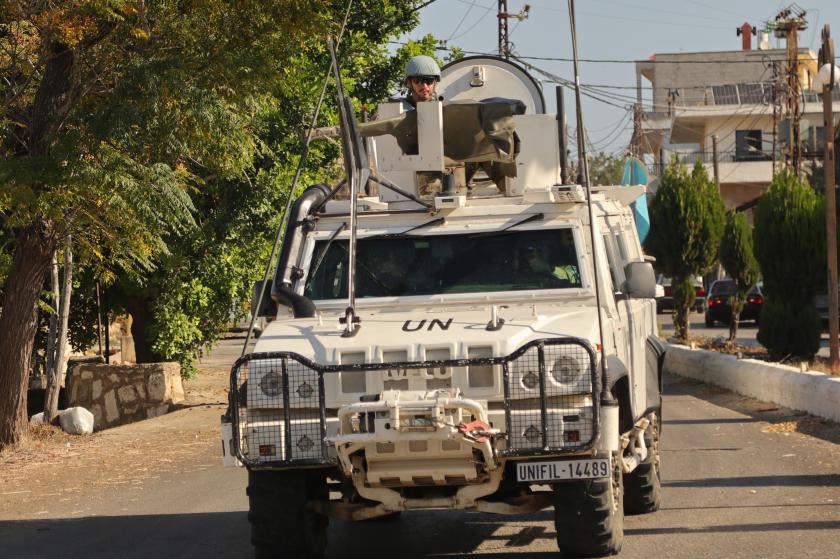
<point x="529" y="219"/>
<point x="407" y="231"/>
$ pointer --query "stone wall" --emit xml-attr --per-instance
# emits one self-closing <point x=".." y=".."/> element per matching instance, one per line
<point x="119" y="394"/>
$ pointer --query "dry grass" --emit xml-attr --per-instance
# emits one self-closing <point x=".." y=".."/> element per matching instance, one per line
<point x="52" y="465"/>
<point x="819" y="364"/>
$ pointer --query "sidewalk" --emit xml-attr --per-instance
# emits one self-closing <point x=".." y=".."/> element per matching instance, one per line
<point x="55" y="470"/>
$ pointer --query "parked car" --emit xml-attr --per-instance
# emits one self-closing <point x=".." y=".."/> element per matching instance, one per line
<point x="718" y="307"/>
<point x="821" y="304"/>
<point x="666" y="301"/>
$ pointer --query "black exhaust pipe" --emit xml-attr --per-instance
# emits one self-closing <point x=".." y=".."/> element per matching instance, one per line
<point x="298" y="225"/>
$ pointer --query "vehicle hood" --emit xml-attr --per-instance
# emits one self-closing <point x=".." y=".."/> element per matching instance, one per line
<point x="452" y="331"/>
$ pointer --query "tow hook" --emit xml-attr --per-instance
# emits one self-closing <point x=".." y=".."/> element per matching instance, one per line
<point x="638" y="451"/>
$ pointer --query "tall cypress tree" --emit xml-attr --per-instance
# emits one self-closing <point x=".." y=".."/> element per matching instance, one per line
<point x="789" y="240"/>
<point x="687" y="218"/>
<point x="737" y="256"/>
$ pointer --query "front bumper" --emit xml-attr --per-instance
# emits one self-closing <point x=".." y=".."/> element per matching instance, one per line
<point x="280" y="417"/>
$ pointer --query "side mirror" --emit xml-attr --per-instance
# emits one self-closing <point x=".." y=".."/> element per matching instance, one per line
<point x="640" y="282"/>
<point x="268" y="308"/>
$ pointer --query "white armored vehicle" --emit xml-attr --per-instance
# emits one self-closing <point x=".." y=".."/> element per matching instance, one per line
<point x="475" y="336"/>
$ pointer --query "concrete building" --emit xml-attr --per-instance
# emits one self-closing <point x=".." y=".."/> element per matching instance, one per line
<point x="686" y="98"/>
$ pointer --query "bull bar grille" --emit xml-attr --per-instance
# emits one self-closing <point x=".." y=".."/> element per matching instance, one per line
<point x="543" y="382"/>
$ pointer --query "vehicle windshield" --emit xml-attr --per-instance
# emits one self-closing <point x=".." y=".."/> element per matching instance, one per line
<point x="723" y="288"/>
<point x="439" y="264"/>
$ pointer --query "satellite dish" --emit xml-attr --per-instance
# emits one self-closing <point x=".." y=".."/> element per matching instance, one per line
<point x="481" y="77"/>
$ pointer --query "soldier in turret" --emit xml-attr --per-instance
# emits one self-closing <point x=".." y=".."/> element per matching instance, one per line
<point x="422" y="75"/>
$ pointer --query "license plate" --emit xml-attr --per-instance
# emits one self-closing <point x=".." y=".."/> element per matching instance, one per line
<point x="563" y="469"/>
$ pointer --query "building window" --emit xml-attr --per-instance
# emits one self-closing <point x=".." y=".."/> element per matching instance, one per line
<point x="748" y="145"/>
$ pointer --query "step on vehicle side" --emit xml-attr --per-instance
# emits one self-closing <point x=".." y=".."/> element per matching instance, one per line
<point x="439" y="345"/>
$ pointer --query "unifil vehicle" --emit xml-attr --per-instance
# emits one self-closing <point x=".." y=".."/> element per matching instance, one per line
<point x="475" y="335"/>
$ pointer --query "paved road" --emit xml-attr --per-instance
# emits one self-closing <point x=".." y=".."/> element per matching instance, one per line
<point x="732" y="488"/>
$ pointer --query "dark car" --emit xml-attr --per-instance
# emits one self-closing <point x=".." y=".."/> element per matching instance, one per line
<point x="666" y="301"/>
<point x="821" y="304"/>
<point x="718" y="306"/>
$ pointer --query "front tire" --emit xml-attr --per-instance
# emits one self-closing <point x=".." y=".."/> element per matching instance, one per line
<point x="642" y="486"/>
<point x="281" y="524"/>
<point x="589" y="515"/>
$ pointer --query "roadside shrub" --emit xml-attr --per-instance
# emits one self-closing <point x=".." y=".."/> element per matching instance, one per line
<point x="686" y="224"/>
<point x="789" y="239"/>
<point x="738" y="258"/>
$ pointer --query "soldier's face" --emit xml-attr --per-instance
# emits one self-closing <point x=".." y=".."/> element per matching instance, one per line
<point x="422" y="88"/>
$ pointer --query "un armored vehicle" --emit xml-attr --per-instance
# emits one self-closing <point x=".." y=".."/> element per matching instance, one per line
<point x="473" y="335"/>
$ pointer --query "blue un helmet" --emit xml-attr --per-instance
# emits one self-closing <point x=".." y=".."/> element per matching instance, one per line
<point x="422" y="66"/>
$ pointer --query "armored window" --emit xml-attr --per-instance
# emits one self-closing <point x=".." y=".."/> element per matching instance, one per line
<point x="443" y="264"/>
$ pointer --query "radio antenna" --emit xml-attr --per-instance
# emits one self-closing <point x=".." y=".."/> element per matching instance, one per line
<point x="584" y="179"/>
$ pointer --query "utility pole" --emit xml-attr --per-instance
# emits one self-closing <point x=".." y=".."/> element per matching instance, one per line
<point x="504" y="16"/>
<point x="827" y="57"/>
<point x="789" y="22"/>
<point x="718" y="268"/>
<point x="636" y="139"/>
<point x="777" y="111"/>
<point x="715" y="161"/>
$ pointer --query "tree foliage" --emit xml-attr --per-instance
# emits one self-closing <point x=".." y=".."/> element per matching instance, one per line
<point x="790" y="243"/>
<point x="605" y="169"/>
<point x="118" y="115"/>
<point x="738" y="258"/>
<point x="687" y="219"/>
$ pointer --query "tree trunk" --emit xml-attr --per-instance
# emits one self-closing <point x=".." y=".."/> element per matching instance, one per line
<point x="57" y="95"/>
<point x="141" y="317"/>
<point x="18" y="324"/>
<point x="52" y="335"/>
<point x="60" y="369"/>
<point x="682" y="290"/>
<point x="733" y="325"/>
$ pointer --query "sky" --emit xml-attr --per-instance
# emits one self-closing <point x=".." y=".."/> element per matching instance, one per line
<point x="612" y="30"/>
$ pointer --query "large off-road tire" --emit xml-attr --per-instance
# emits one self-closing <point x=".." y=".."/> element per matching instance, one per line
<point x="642" y="488"/>
<point x="589" y="515"/>
<point x="282" y="527"/>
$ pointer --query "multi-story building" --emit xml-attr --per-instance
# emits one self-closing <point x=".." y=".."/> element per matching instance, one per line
<point x="737" y="96"/>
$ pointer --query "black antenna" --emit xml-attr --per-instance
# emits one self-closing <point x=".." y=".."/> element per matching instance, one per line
<point x="358" y="173"/>
<point x="584" y="174"/>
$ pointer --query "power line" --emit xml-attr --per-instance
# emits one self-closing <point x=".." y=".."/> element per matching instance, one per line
<point x="487" y="11"/>
<point x="461" y="22"/>
<point x="423" y="5"/>
<point x="623" y="61"/>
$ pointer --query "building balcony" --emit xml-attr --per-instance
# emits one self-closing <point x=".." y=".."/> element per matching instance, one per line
<point x="736" y="166"/>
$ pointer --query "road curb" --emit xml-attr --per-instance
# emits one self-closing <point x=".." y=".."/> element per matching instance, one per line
<point x="812" y="392"/>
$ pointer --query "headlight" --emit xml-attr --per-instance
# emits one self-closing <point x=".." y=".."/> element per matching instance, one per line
<point x="271" y="384"/>
<point x="568" y="371"/>
<point x="531" y="380"/>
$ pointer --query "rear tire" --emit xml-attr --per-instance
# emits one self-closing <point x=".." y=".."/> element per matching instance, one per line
<point x="589" y="515"/>
<point x="709" y="322"/>
<point x="642" y="486"/>
<point x="281" y="524"/>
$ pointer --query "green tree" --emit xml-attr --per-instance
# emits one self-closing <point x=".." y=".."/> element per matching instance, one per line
<point x="114" y="111"/>
<point x="605" y="169"/>
<point x="738" y="258"/>
<point x="187" y="302"/>
<point x="687" y="219"/>
<point x="789" y="238"/>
